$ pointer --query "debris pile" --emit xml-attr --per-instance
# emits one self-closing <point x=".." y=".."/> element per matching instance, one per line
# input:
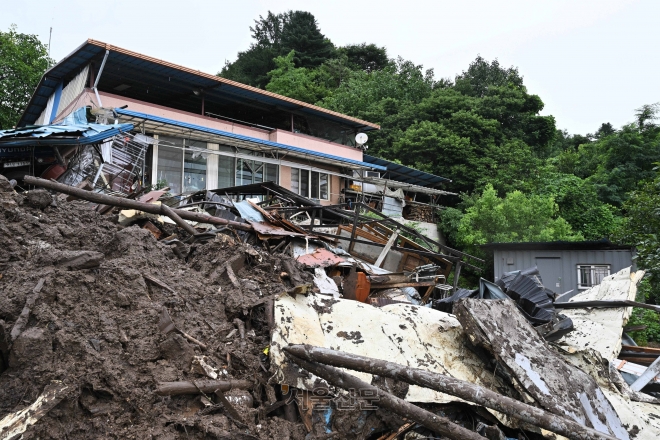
<point x="255" y="313"/>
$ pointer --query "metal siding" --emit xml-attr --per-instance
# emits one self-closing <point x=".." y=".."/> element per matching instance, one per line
<point x="72" y="90"/>
<point x="522" y="259"/>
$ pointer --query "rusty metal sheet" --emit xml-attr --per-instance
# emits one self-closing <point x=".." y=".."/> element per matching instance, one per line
<point x="320" y="258"/>
<point x="268" y="229"/>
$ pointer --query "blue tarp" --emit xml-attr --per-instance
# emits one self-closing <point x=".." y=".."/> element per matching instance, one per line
<point x="73" y="130"/>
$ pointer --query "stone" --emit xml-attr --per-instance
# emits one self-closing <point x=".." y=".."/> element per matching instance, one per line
<point x="39" y="198"/>
<point x="34" y="345"/>
<point x="178" y="351"/>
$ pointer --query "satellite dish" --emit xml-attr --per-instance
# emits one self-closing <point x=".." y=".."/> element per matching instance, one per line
<point x="361" y="138"/>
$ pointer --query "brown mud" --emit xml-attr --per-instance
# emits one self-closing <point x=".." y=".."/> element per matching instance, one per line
<point x="94" y="326"/>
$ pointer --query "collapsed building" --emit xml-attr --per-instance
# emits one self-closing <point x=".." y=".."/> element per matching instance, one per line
<point x="205" y="259"/>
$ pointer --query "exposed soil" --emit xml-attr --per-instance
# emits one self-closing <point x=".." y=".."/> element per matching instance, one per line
<point x="94" y="325"/>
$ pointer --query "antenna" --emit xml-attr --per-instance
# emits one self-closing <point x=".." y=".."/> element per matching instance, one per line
<point x="361" y="139"/>
<point x="50" y="36"/>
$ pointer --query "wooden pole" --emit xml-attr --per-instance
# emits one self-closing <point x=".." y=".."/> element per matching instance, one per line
<point x="384" y="399"/>
<point x="449" y="385"/>
<point x="105" y="199"/>
<point x="206" y="386"/>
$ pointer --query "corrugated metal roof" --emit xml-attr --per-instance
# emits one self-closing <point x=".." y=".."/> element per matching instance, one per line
<point x="406" y="174"/>
<point x="603" y="244"/>
<point x="155" y="69"/>
<point x="81" y="134"/>
<point x="247" y="141"/>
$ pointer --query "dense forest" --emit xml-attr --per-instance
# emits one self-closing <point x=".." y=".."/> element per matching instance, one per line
<point x="520" y="177"/>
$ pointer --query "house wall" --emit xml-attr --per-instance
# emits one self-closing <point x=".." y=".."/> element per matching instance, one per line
<point x="564" y="277"/>
<point x="110" y="100"/>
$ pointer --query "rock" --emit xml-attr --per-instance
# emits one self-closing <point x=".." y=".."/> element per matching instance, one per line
<point x="177" y="350"/>
<point x="39" y="198"/>
<point x="34" y="345"/>
<point x="5" y="185"/>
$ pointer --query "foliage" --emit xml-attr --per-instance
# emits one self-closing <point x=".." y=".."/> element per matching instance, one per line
<point x="520" y="177"/>
<point x="641" y="228"/>
<point x="515" y="218"/>
<point x="579" y="205"/>
<point x="365" y="57"/>
<point x="23" y="59"/>
<point x="298" y="83"/>
<point x="277" y="35"/>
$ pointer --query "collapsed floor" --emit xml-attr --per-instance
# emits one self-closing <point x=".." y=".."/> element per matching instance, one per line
<point x="107" y="332"/>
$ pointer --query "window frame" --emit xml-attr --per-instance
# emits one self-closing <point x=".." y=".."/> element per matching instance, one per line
<point x="592" y="274"/>
<point x="310" y="186"/>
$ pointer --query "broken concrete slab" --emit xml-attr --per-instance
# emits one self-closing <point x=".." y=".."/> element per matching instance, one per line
<point x="419" y="337"/>
<point x="598" y="328"/>
<point x="534" y="368"/>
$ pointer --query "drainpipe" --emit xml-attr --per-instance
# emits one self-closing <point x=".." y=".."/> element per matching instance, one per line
<point x="98" y="77"/>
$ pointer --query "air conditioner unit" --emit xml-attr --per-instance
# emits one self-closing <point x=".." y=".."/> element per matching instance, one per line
<point x="372" y="174"/>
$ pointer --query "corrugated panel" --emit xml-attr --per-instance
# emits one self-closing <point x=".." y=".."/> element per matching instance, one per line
<point x="407" y="174"/>
<point x="72" y="90"/>
<point x="62" y="134"/>
<point x="47" y="111"/>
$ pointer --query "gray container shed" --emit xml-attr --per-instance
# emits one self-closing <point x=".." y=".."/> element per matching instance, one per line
<point x="564" y="266"/>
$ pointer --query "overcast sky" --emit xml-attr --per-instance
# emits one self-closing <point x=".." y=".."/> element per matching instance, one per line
<point x="589" y="61"/>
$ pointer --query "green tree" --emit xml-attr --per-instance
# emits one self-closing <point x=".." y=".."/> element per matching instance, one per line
<point x="298" y="83"/>
<point x="277" y="35"/>
<point x="580" y="206"/>
<point x="641" y="228"/>
<point x="300" y="33"/>
<point x="23" y="59"/>
<point x="365" y="57"/>
<point x="515" y="218"/>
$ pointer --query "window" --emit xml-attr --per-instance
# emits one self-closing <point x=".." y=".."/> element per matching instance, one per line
<point x="170" y="164"/>
<point x="194" y="166"/>
<point x="310" y="184"/>
<point x="590" y="275"/>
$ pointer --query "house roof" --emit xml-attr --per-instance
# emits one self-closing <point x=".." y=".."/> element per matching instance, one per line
<point x="402" y="173"/>
<point x="210" y="134"/>
<point x="77" y="134"/>
<point x="597" y="245"/>
<point x="163" y="81"/>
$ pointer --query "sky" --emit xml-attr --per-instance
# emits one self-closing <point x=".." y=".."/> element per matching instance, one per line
<point x="590" y="61"/>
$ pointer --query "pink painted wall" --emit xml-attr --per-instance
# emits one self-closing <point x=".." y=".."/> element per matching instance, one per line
<point x="315" y="144"/>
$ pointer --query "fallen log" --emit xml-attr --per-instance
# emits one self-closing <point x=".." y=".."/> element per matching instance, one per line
<point x="448" y="385"/>
<point x="151" y="208"/>
<point x="434" y="422"/>
<point x="206" y="386"/>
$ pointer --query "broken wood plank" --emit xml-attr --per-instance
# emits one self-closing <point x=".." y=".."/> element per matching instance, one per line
<point x="341" y="379"/>
<point x="386" y="249"/>
<point x="448" y="385"/>
<point x="535" y="368"/>
<point x="206" y="386"/>
<point x="15" y="424"/>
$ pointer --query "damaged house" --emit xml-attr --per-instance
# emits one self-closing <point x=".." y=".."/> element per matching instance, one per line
<point x="202" y="131"/>
<point x="189" y="257"/>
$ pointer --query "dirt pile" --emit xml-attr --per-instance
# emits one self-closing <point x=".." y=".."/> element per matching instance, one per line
<point x="80" y="302"/>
